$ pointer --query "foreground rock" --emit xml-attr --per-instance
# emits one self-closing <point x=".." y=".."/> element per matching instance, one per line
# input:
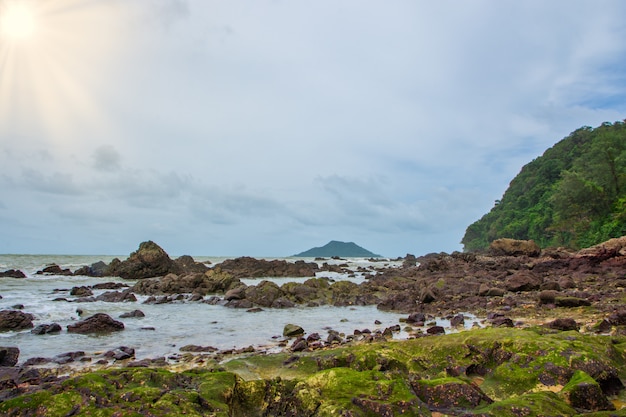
<point x="487" y="372"/>
<point x="98" y="323"/>
<point x="9" y="356"/>
<point x="12" y="273"/>
<point x="14" y="320"/>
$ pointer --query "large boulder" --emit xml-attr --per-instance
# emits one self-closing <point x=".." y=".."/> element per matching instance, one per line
<point x="514" y="247"/>
<point x="98" y="323"/>
<point x="149" y="261"/>
<point x="15" y="320"/>
<point x="211" y="282"/>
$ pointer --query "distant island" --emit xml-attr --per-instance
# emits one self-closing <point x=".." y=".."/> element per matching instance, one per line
<point x="335" y="248"/>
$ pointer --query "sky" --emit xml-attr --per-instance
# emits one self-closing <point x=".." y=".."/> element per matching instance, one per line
<point x="267" y="127"/>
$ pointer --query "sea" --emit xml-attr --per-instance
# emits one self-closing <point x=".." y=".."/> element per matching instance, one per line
<point x="168" y="327"/>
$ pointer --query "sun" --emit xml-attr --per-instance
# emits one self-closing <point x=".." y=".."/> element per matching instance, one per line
<point x="17" y="20"/>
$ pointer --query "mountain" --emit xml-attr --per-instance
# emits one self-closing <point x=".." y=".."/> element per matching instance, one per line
<point x="342" y="249"/>
<point x="574" y="195"/>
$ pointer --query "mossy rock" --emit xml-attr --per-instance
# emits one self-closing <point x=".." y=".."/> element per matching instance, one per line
<point x="449" y="394"/>
<point x="584" y="393"/>
<point x="539" y="404"/>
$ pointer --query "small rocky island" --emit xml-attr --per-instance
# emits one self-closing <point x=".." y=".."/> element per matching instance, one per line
<point x="338" y="249"/>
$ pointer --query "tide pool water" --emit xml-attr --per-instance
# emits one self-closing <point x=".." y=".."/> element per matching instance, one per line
<point x="165" y="327"/>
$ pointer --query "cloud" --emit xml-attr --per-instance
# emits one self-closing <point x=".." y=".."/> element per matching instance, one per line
<point x="107" y="159"/>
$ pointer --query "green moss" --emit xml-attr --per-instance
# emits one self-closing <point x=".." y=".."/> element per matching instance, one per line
<point x="544" y="404"/>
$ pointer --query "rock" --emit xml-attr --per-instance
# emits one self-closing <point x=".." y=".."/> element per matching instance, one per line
<point x="9" y="356"/>
<point x="436" y="330"/>
<point x="188" y="265"/>
<point x="121" y="353"/>
<point x="299" y="345"/>
<point x="617" y="318"/>
<point x="117" y="296"/>
<point x="495" y="292"/>
<point x="15" y="320"/>
<point x="132" y="314"/>
<point x="449" y="393"/>
<point x="513" y="247"/>
<point x="458" y="320"/>
<point x="12" y="273"/>
<point x="547" y="297"/>
<point x="563" y="324"/>
<point x="409" y="261"/>
<point x="196" y="348"/>
<point x="55" y="270"/>
<point x="584" y="393"/>
<point x="150" y="260"/>
<point x="47" y="329"/>
<point x="264" y="294"/>
<point x="81" y="291"/>
<point x="211" y="282"/>
<point x="415" y="318"/>
<point x="571" y="302"/>
<point x="247" y="267"/>
<point x="109" y="286"/>
<point x="237" y="293"/>
<point x="98" y="323"/>
<point x="523" y="281"/>
<point x="292" y="330"/>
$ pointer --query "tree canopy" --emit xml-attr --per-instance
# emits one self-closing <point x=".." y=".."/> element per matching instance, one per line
<point x="574" y="195"/>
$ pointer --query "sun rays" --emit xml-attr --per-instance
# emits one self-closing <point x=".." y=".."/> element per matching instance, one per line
<point x="55" y="58"/>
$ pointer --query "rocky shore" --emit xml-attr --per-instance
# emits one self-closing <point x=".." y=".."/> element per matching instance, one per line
<point x="553" y="340"/>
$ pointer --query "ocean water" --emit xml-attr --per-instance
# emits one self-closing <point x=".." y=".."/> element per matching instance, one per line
<point x="174" y="325"/>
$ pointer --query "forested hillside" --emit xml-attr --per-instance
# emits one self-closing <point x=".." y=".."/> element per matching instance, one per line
<point x="574" y="195"/>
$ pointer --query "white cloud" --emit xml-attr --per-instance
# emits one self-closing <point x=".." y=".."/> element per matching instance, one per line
<point x="270" y="127"/>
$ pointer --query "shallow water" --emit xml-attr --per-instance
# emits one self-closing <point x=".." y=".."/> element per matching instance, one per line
<point x="175" y="325"/>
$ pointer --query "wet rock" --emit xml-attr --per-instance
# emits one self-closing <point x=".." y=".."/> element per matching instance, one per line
<point x="98" y="323"/>
<point x="12" y="273"/>
<point x="18" y="306"/>
<point x="513" y="247"/>
<point x="282" y="303"/>
<point x="132" y="314"/>
<point x="237" y="293"/>
<point x="213" y="281"/>
<point x="416" y="318"/>
<point x="563" y="324"/>
<point x="299" y="345"/>
<point x="9" y="356"/>
<point x="196" y="348"/>
<point x="150" y="260"/>
<point x="617" y="318"/>
<point x="499" y="320"/>
<point x="109" y="286"/>
<point x="55" y="270"/>
<point x="68" y="357"/>
<point x="117" y="296"/>
<point x="13" y="320"/>
<point x="188" y="265"/>
<point x="292" y="330"/>
<point x="47" y="329"/>
<point x="436" y="330"/>
<point x="458" y="320"/>
<point x="81" y="291"/>
<point x="121" y="353"/>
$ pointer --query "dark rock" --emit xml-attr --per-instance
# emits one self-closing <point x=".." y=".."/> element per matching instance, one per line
<point x="500" y="321"/>
<point x="237" y="293"/>
<point x="121" y="353"/>
<point x="196" y="348"/>
<point x="299" y="345"/>
<point x="449" y="394"/>
<point x="15" y="320"/>
<point x="571" y="302"/>
<point x="247" y="267"/>
<point x="117" y="296"/>
<point x="523" y="281"/>
<point x="188" y="265"/>
<point x="617" y="318"/>
<point x="81" y="291"/>
<point x="458" y="320"/>
<point x="132" y="314"/>
<point x="9" y="356"/>
<point x="12" y="273"/>
<point x="415" y="318"/>
<point x="98" y="323"/>
<point x="55" y="270"/>
<point x="495" y="292"/>
<point x="436" y="330"/>
<point x="213" y="281"/>
<point x="150" y="260"/>
<point x="18" y="306"/>
<point x="563" y="324"/>
<point x="109" y="286"/>
<point x="47" y="329"/>
<point x="547" y="297"/>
